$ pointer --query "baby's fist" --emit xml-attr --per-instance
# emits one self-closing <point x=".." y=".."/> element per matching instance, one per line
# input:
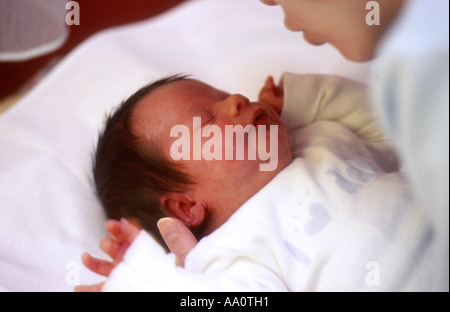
<point x="272" y="95"/>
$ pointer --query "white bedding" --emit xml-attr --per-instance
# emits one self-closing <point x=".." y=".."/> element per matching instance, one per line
<point x="49" y="212"/>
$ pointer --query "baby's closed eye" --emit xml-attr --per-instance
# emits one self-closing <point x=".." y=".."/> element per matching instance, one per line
<point x="206" y="117"/>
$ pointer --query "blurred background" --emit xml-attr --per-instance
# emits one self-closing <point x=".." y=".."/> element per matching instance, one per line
<point x="18" y="76"/>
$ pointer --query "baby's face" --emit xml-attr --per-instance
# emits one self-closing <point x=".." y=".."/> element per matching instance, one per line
<point x="191" y="121"/>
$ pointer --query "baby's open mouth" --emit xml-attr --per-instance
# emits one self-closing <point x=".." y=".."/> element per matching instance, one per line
<point x="261" y="117"/>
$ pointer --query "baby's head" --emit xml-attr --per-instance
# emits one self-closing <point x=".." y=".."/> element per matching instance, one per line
<point x="166" y="152"/>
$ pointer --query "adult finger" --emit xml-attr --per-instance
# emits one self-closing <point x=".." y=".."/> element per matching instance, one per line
<point x="178" y="238"/>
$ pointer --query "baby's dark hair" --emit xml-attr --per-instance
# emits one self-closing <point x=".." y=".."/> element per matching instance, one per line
<point x="130" y="177"/>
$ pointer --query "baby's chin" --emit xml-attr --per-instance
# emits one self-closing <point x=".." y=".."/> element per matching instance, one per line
<point x="284" y="160"/>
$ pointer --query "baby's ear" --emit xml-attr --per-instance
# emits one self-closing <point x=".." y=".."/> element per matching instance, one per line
<point x="198" y="213"/>
<point x="179" y="206"/>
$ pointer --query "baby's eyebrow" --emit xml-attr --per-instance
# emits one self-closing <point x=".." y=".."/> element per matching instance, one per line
<point x="225" y="95"/>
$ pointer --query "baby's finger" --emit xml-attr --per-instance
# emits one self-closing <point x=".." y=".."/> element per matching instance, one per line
<point x="114" y="229"/>
<point x="110" y="246"/>
<point x="99" y="266"/>
<point x="268" y="85"/>
<point x="89" y="288"/>
<point x="129" y="230"/>
<point x="122" y="231"/>
<point x="270" y="82"/>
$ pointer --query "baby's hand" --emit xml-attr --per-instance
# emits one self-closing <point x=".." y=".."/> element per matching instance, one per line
<point x="120" y="236"/>
<point x="272" y="95"/>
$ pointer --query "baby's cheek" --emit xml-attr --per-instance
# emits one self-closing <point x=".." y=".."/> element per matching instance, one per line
<point x="193" y="167"/>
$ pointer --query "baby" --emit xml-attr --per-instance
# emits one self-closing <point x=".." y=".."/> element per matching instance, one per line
<point x="135" y="172"/>
<point x="332" y="213"/>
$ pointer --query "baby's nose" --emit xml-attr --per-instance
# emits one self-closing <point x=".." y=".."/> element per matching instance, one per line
<point x="234" y="104"/>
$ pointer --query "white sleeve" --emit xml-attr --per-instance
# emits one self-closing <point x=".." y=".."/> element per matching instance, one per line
<point x="146" y="267"/>
<point x="411" y="92"/>
<point x="311" y="98"/>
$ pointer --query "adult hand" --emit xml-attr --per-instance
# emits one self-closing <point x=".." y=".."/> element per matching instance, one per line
<point x="178" y="238"/>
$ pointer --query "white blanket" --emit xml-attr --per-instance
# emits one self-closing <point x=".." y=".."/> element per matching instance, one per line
<point x="49" y="211"/>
